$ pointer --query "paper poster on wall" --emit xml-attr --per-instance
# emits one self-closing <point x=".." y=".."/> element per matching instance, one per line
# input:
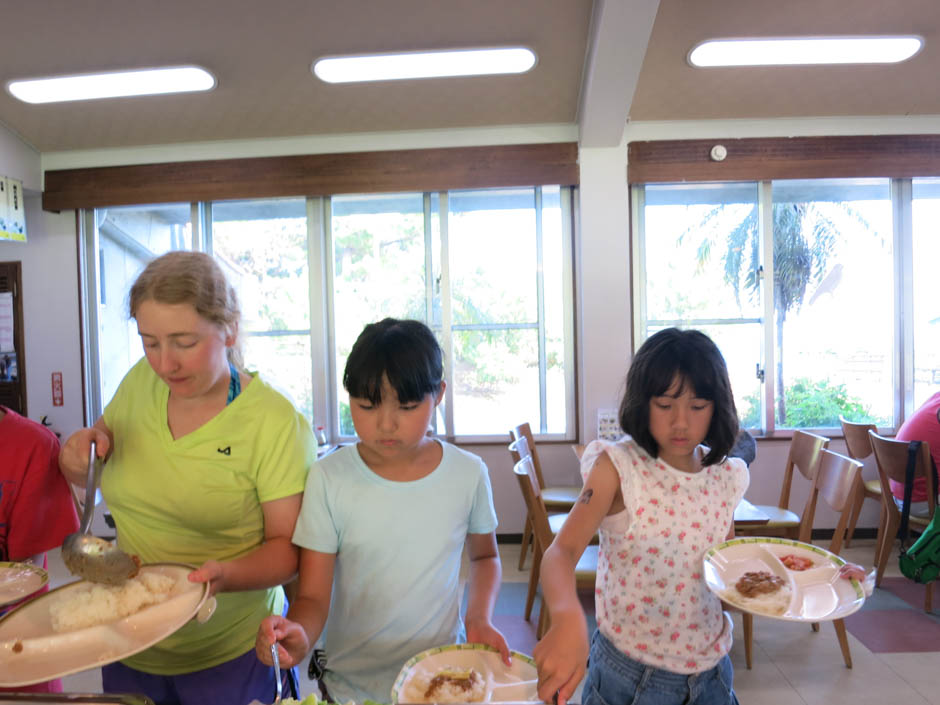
<point x="8" y="368"/>
<point x="6" y="320"/>
<point x="3" y="205"/>
<point x="14" y="219"/>
<point x="608" y="425"/>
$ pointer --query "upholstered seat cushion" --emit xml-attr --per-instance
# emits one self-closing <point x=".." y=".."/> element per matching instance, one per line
<point x="778" y="517"/>
<point x="560" y="496"/>
<point x="555" y="521"/>
<point x="586" y="570"/>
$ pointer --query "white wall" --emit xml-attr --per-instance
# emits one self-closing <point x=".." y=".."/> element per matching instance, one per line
<point x="602" y="272"/>
<point x="19" y="160"/>
<point x="50" y="313"/>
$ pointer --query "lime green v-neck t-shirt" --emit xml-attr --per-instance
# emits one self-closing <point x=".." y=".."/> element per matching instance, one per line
<point x="199" y="497"/>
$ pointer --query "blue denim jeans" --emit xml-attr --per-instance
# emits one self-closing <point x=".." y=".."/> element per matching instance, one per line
<point x="614" y="679"/>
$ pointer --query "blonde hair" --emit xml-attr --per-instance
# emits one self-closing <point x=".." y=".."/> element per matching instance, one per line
<point x="195" y="278"/>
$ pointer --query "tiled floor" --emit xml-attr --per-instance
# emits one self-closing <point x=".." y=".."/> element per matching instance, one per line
<point x="792" y="665"/>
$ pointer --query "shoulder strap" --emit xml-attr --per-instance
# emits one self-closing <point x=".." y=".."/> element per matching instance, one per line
<point x="912" y="449"/>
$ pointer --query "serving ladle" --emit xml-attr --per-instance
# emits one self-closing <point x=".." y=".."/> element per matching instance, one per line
<point x="88" y="556"/>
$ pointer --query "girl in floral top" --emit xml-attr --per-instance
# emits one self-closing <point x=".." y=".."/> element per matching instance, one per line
<point x="659" y="498"/>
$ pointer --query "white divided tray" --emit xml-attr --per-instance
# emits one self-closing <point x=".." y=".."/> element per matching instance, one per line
<point x="817" y="593"/>
<point x="516" y="683"/>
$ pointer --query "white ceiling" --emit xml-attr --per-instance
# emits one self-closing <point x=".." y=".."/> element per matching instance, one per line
<point x="600" y="63"/>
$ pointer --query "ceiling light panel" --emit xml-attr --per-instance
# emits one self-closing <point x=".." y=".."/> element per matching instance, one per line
<point x="423" y="64"/>
<point x="116" y="84"/>
<point x="804" y="50"/>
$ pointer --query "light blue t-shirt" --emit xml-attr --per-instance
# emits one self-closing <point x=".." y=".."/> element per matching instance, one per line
<point x="398" y="548"/>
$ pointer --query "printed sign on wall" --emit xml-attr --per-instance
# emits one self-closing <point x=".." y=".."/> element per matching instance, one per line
<point x="12" y="210"/>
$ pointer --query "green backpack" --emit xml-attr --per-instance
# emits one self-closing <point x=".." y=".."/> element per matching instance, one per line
<point x="920" y="562"/>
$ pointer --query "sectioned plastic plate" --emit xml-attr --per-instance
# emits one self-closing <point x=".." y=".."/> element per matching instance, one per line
<point x="31" y="651"/>
<point x="818" y="594"/>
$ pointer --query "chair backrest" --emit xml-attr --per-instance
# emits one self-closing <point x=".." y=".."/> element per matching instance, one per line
<point x="528" y="483"/>
<point x="523" y="430"/>
<point x="891" y="457"/>
<point x="805" y="450"/>
<point x="837" y="481"/>
<point x="519" y="449"/>
<point x="857" y="440"/>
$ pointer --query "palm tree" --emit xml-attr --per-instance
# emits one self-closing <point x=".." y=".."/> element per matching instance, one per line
<point x="804" y="237"/>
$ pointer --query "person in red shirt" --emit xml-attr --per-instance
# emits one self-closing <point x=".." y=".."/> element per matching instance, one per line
<point x="36" y="507"/>
<point x="923" y="425"/>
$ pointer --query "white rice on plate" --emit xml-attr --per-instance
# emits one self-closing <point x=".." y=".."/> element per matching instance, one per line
<point x="99" y="604"/>
<point x="447" y="684"/>
<point x="770" y="603"/>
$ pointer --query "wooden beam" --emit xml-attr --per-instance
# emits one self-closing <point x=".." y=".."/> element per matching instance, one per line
<point x="756" y="159"/>
<point x="313" y="175"/>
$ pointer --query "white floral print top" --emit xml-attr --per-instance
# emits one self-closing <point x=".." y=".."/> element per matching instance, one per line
<point x="650" y="598"/>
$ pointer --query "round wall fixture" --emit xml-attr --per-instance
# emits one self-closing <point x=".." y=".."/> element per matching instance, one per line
<point x="718" y="153"/>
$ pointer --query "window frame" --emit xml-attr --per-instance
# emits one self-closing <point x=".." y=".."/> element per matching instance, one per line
<point x="902" y="328"/>
<point x="321" y="275"/>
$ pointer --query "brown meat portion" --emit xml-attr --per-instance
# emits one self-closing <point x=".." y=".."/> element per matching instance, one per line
<point x="759" y="583"/>
<point x="438" y="681"/>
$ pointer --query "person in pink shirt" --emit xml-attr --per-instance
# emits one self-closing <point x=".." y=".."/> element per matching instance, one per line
<point x="36" y="507"/>
<point x="923" y="425"/>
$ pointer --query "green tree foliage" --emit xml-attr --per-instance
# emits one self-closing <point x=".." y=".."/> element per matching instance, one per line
<point x="804" y="238"/>
<point x="814" y="404"/>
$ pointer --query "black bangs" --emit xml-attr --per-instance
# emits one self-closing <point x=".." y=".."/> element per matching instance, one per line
<point x="404" y="352"/>
<point x="695" y="360"/>
<point x="681" y="357"/>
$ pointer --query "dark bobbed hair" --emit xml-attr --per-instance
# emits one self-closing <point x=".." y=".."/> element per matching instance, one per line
<point x="406" y="352"/>
<point x="695" y="360"/>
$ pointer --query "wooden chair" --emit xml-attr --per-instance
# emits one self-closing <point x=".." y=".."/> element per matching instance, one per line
<point x="586" y="569"/>
<point x="891" y="456"/>
<point x="520" y="449"/>
<point x="558" y="498"/>
<point x="837" y="480"/>
<point x="858" y="444"/>
<point x="805" y="451"/>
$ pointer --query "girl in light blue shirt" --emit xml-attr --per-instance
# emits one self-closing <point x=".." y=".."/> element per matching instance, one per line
<point x="383" y="527"/>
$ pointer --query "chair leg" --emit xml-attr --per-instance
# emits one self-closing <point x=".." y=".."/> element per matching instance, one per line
<point x="853" y="517"/>
<point x="879" y="537"/>
<point x="748" y="623"/>
<point x="526" y="540"/>
<point x="533" y="581"/>
<point x="843" y="641"/>
<point x="884" y="552"/>
<point x="815" y="626"/>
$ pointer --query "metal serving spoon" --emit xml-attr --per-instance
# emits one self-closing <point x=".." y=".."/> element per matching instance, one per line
<point x="88" y="556"/>
<point x="277" y="672"/>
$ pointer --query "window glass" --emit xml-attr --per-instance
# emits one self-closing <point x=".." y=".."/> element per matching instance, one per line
<point x="262" y="247"/>
<point x="926" y="300"/>
<point x="833" y="302"/>
<point x="378" y="270"/>
<point x="555" y="254"/>
<point x="128" y="238"/>
<point x="491" y="268"/>
<point x="493" y="257"/>
<point x="701" y="265"/>
<point x="700" y="260"/>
